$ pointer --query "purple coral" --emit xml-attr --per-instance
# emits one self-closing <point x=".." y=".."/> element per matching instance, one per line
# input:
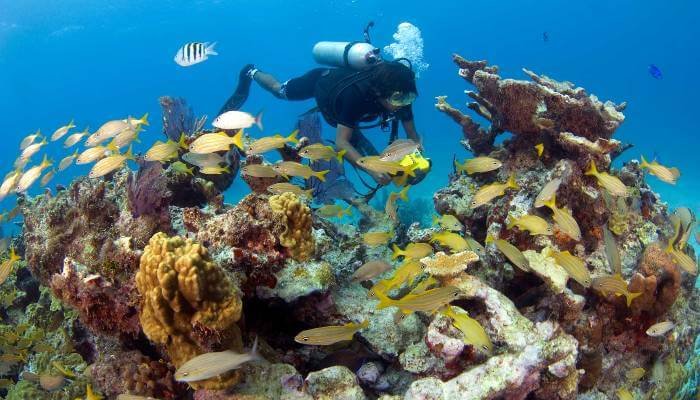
<point x="147" y="191"/>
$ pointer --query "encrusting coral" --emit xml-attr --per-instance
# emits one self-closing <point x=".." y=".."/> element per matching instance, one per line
<point x="296" y="216"/>
<point x="189" y="305"/>
<point x="442" y="264"/>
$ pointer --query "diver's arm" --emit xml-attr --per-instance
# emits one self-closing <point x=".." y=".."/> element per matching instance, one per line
<point x="343" y="134"/>
<point x="410" y="127"/>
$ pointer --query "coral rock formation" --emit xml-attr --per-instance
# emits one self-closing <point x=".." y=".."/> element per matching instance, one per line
<point x="296" y="216"/>
<point x="189" y="305"/>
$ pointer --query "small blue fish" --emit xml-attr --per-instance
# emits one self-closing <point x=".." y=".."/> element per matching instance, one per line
<point x="545" y="37"/>
<point x="655" y="71"/>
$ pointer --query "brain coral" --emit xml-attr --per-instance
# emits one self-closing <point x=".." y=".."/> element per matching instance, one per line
<point x="298" y="235"/>
<point x="189" y="305"/>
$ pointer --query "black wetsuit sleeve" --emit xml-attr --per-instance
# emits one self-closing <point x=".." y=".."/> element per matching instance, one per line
<point x="405" y="114"/>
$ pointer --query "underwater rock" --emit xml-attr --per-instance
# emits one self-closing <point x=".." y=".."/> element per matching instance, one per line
<point x="189" y="305"/>
<point x="297" y="279"/>
<point x="262" y="381"/>
<point x="334" y="383"/>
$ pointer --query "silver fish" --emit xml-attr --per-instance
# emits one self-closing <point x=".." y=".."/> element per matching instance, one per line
<point x="209" y="365"/>
<point x="398" y="149"/>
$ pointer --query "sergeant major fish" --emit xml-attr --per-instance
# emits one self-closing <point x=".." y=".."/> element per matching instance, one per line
<point x="194" y="53"/>
<point x="209" y="365"/>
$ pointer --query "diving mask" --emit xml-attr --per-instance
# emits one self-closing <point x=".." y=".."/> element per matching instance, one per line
<point x="400" y="99"/>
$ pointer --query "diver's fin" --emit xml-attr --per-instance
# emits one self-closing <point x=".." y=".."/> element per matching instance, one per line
<point x="240" y="95"/>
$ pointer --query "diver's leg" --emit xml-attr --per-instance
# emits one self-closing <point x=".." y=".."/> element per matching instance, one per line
<point x="362" y="144"/>
<point x="240" y="95"/>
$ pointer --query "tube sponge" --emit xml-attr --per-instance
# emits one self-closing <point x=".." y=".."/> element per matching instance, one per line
<point x="296" y="216"/>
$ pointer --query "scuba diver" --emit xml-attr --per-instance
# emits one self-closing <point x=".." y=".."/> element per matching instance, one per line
<point x="360" y="88"/>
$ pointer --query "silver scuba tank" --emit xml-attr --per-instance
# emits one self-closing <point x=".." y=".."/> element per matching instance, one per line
<point x="356" y="55"/>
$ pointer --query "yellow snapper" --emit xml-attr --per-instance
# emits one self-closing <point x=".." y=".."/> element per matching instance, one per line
<point x="454" y="241"/>
<point x="32" y="174"/>
<point x="683" y="260"/>
<point x="204" y="160"/>
<point x="47" y="178"/>
<point x="428" y="301"/>
<point x="449" y="222"/>
<point x="624" y="394"/>
<point x="532" y="223"/>
<point x="635" y="374"/>
<point x="490" y="192"/>
<point x="574" y="266"/>
<point x="90" y="394"/>
<point x="511" y="252"/>
<point x="611" y="251"/>
<point x="478" y="165"/>
<point x="540" y="149"/>
<point x="209" y="365"/>
<point x="231" y="120"/>
<point x="110" y="164"/>
<point x="282" y="187"/>
<point x="390" y="207"/>
<point x="377" y="238"/>
<point x="611" y="183"/>
<point x="548" y="190"/>
<point x="10" y="183"/>
<point x="375" y="164"/>
<point x="91" y="154"/>
<point x="328" y="335"/>
<point x="63" y="370"/>
<point x="6" y="266"/>
<point x="60" y="132"/>
<point x="213" y="142"/>
<point x="476" y="247"/>
<point x="406" y="273"/>
<point x="291" y="168"/>
<point x="318" y="151"/>
<point x="32" y="149"/>
<point x="425" y="285"/>
<point x="125" y="137"/>
<point x="563" y="218"/>
<point x="334" y="210"/>
<point x="660" y="328"/>
<point x="270" y="143"/>
<point x="614" y="284"/>
<point x="137" y="122"/>
<point x="73" y="139"/>
<point x="215" y="170"/>
<point x="108" y="130"/>
<point x="179" y="166"/>
<point x="259" y="171"/>
<point x="165" y="151"/>
<point x="370" y="270"/>
<point x="414" y="251"/>
<point x="665" y="174"/>
<point x="474" y="334"/>
<point x="29" y="139"/>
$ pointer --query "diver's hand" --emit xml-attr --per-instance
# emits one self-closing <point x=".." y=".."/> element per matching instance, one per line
<point x="380" y="177"/>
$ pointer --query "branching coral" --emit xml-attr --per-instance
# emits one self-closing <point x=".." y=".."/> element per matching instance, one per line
<point x="189" y="306"/>
<point x="296" y="216"/>
<point x="442" y="264"/>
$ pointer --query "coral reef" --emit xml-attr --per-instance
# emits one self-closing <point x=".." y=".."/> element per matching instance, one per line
<point x="189" y="306"/>
<point x="297" y="236"/>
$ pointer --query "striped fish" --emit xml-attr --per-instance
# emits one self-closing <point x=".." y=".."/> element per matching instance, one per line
<point x="194" y="53"/>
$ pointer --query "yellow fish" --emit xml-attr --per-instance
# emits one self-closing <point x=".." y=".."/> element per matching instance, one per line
<point x="406" y="273"/>
<point x="32" y="174"/>
<point x="108" y="130"/>
<point x="215" y="170"/>
<point x="490" y="192"/>
<point x="375" y="164"/>
<point x="511" y="252"/>
<point x="540" y="149"/>
<point x="635" y="374"/>
<point x="60" y="132"/>
<point x="63" y="370"/>
<point x="474" y="334"/>
<point x="328" y="335"/>
<point x="455" y="242"/>
<point x="204" y="160"/>
<point x="425" y="285"/>
<point x="6" y="266"/>
<point x="10" y="183"/>
<point x="414" y="251"/>
<point x="27" y="141"/>
<point x="91" y="154"/>
<point x="665" y="174"/>
<point x="624" y="394"/>
<point x="614" y="284"/>
<point x="334" y="210"/>
<point x="213" y="142"/>
<point x="390" y="207"/>
<point x="47" y="178"/>
<point x="291" y="168"/>
<point x="67" y="161"/>
<point x="532" y="223"/>
<point x="282" y="187"/>
<point x="270" y="143"/>
<point x="125" y="138"/>
<point x="32" y="149"/>
<point x="90" y="395"/>
<point x="73" y="139"/>
<point x="563" y="218"/>
<point x="449" y="222"/>
<point x="548" y="190"/>
<point x="318" y="151"/>
<point x="180" y="167"/>
<point x="111" y="163"/>
<point x="683" y="260"/>
<point x="660" y="328"/>
<point x="476" y="247"/>
<point x="611" y="183"/>
<point x="165" y="151"/>
<point x="374" y="239"/>
<point x="259" y="171"/>
<point x="478" y="165"/>
<point x="137" y="122"/>
<point x="611" y="251"/>
<point x="427" y="302"/>
<point x="574" y="266"/>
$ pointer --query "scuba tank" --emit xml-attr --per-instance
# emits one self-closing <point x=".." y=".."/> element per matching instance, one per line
<point x="355" y="55"/>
